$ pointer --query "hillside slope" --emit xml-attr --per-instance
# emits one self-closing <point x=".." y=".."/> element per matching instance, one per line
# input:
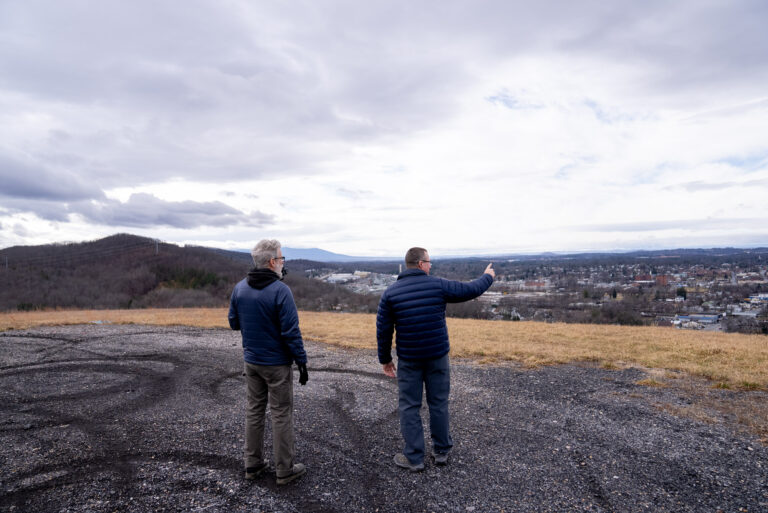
<point x="127" y="271"/>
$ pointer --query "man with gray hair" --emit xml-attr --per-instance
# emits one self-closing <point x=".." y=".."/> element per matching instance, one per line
<point x="263" y="310"/>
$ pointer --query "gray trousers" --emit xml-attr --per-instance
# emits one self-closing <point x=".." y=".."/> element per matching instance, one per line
<point x="273" y="383"/>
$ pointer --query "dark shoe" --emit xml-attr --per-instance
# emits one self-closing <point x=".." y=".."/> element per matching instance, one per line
<point x="254" y="472"/>
<point x="297" y="471"/>
<point x="402" y="462"/>
<point x="441" y="458"/>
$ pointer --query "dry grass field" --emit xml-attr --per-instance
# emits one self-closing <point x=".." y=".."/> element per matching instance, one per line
<point x="729" y="360"/>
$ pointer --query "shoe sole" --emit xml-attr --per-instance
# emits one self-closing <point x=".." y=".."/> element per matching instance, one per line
<point x="292" y="477"/>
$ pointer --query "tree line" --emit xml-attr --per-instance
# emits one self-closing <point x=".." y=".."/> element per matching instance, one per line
<point x="126" y="271"/>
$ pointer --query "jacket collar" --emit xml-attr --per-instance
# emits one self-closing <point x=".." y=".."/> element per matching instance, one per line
<point x="411" y="272"/>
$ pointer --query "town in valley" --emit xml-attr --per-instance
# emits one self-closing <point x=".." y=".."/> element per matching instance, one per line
<point x="724" y="290"/>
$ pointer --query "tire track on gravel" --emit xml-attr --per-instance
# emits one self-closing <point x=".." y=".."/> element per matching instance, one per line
<point x="74" y="472"/>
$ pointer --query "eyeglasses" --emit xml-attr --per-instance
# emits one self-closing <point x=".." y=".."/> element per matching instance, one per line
<point x="279" y="258"/>
<point x="426" y="261"/>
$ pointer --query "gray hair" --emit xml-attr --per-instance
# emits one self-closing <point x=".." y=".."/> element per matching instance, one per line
<point x="264" y="251"/>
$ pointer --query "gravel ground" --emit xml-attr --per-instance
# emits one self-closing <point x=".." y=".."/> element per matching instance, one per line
<point x="140" y="418"/>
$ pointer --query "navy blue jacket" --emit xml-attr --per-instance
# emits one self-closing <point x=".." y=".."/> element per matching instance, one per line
<point x="269" y="323"/>
<point x="415" y="305"/>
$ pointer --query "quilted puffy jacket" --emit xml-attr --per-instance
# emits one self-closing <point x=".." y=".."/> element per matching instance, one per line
<point x="414" y="307"/>
<point x="269" y="323"/>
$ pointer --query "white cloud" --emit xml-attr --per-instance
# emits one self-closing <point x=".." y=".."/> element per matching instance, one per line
<point x="365" y="128"/>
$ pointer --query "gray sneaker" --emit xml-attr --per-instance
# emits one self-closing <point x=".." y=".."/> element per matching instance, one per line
<point x="297" y="471"/>
<point x="402" y="462"/>
<point x="441" y="458"/>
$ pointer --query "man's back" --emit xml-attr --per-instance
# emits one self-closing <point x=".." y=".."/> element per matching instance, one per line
<point x="415" y="305"/>
<point x="269" y="323"/>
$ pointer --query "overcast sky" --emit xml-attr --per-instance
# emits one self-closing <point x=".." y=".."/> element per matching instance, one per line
<point x="368" y="127"/>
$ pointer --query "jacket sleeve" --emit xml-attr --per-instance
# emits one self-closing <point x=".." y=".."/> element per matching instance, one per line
<point x="385" y="328"/>
<point x="234" y="319"/>
<point x="289" y="326"/>
<point x="458" y="291"/>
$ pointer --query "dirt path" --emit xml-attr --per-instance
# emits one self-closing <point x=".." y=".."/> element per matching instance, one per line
<point x="137" y="418"/>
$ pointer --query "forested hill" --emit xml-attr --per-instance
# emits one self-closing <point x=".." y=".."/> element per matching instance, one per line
<point x="127" y="271"/>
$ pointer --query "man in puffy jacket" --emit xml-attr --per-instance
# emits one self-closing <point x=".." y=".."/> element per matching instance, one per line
<point x="414" y="307"/>
<point x="262" y="308"/>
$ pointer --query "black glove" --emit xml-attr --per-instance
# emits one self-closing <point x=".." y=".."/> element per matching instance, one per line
<point x="303" y="374"/>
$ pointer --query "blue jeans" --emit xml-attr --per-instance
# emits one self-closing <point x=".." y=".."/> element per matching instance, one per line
<point x="412" y="376"/>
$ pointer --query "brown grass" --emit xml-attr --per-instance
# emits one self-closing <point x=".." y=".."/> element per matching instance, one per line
<point x="708" y="402"/>
<point x="201" y="317"/>
<point x="694" y="412"/>
<point x="735" y="360"/>
<point x="650" y="382"/>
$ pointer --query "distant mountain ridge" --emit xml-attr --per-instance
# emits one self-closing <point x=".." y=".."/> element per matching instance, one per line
<point x="321" y="255"/>
<point x="120" y="242"/>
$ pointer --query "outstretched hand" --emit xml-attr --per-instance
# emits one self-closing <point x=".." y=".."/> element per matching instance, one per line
<point x="489" y="270"/>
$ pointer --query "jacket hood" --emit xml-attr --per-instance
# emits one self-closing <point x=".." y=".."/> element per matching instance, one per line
<point x="260" y="278"/>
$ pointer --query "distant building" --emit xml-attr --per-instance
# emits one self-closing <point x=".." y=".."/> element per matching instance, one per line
<point x="340" y="278"/>
<point x="698" y="318"/>
<point x="490" y="297"/>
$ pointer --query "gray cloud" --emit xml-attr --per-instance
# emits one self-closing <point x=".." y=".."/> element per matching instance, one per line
<point x="204" y="93"/>
<point x="270" y="53"/>
<point x="686" y="47"/>
<point x="141" y="211"/>
<point x="207" y="92"/>
<point x="44" y="209"/>
<point x="34" y="181"/>
<point x="146" y="210"/>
